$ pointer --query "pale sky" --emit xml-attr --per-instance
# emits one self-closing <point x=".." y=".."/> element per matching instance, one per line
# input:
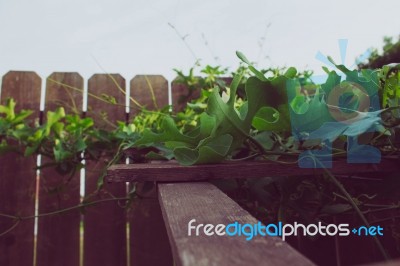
<point x="133" y="37"/>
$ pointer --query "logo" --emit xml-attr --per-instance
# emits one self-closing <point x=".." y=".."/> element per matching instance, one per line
<point x="250" y="231"/>
<point x="346" y="104"/>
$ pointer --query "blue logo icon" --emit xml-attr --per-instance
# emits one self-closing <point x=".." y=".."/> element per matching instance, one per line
<point x="347" y="104"/>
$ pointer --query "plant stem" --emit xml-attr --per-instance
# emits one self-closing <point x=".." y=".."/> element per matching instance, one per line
<point x="82" y="205"/>
<point x="355" y="207"/>
<point x="153" y="97"/>
<point x="183" y="38"/>
<point x="10" y="229"/>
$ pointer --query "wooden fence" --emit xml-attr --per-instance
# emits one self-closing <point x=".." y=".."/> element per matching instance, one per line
<point x="104" y="234"/>
<point x="110" y="234"/>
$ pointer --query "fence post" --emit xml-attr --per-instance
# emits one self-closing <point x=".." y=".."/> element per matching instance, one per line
<point x="105" y="224"/>
<point x="148" y="235"/>
<point x="58" y="235"/>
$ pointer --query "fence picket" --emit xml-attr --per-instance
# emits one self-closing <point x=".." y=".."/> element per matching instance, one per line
<point x="57" y="191"/>
<point x="147" y="229"/>
<point x="105" y="224"/>
<point x="18" y="176"/>
<point x="151" y="91"/>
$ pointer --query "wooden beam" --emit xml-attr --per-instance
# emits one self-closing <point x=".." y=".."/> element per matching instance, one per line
<point x="182" y="202"/>
<point x="395" y="262"/>
<point x="173" y="172"/>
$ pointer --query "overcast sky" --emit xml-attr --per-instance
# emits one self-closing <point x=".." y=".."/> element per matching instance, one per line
<point x="133" y="37"/>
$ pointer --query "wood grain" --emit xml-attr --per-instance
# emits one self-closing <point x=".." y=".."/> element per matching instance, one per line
<point x="172" y="171"/>
<point x="182" y="202"/>
<point x="18" y="175"/>
<point x="103" y="88"/>
<point x="64" y="89"/>
<point x="147" y="229"/>
<point x="394" y="262"/>
<point x="149" y="243"/>
<point x="104" y="224"/>
<point x="60" y="191"/>
<point x="143" y="87"/>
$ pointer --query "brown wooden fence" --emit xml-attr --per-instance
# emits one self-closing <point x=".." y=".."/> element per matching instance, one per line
<point x="104" y="234"/>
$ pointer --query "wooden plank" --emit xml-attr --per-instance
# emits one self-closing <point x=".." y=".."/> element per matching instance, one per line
<point x="150" y="91"/>
<point x="182" y="202"/>
<point x="58" y="235"/>
<point x="172" y="171"/>
<point x="394" y="262"/>
<point x="103" y="88"/>
<point x="17" y="188"/>
<point x="64" y="89"/>
<point x="104" y="224"/>
<point x="149" y="243"/>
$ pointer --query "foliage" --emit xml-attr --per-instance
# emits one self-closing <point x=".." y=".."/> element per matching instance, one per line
<point x="260" y="114"/>
<point x="390" y="54"/>
<point x="223" y="123"/>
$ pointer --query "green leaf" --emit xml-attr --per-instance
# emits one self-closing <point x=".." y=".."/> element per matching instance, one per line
<point x="256" y="72"/>
<point x="340" y="67"/>
<point x="170" y="133"/>
<point x="186" y="156"/>
<point x="364" y="122"/>
<point x="271" y="119"/>
<point x="309" y="115"/>
<point x="266" y="115"/>
<point x="214" y="151"/>
<point x="80" y="145"/>
<point x="243" y="57"/>
<point x="163" y="154"/>
<point x="299" y="104"/>
<point x="20" y="117"/>
<point x="108" y="98"/>
<point x="30" y="150"/>
<point x="236" y="123"/>
<point x="264" y="138"/>
<point x="290" y="72"/>
<point x="53" y="118"/>
<point x="8" y="109"/>
<point x="198" y="146"/>
<point x="60" y="153"/>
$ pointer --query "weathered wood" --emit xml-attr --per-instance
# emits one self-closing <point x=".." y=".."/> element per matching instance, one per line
<point x="172" y="171"/>
<point x="18" y="176"/>
<point x="104" y="224"/>
<point x="103" y="89"/>
<point x="57" y="191"/>
<point x="395" y="262"/>
<point x="24" y="87"/>
<point x="147" y="229"/>
<point x="150" y="91"/>
<point x="149" y="243"/>
<point x="64" y="90"/>
<point x="182" y="202"/>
